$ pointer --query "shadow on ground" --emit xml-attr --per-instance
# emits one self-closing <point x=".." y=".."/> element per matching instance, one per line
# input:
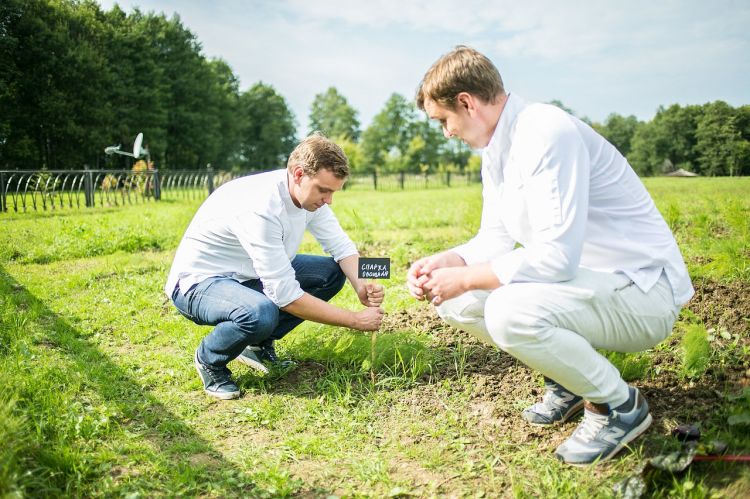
<point x="137" y="411"/>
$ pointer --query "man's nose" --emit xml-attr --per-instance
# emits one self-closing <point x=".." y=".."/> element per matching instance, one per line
<point x="446" y="133"/>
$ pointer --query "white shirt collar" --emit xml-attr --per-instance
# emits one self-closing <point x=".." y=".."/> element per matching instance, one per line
<point x="501" y="136"/>
<point x="286" y="197"/>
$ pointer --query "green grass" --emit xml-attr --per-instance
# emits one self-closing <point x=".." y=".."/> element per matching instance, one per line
<point x="98" y="396"/>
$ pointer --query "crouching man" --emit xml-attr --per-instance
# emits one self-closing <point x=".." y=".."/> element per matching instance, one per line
<point x="571" y="254"/>
<point x="237" y="266"/>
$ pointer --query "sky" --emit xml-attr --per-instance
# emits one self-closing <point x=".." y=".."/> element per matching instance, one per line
<point x="595" y="56"/>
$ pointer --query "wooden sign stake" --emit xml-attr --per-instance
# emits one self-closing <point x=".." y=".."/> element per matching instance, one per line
<point x="374" y="268"/>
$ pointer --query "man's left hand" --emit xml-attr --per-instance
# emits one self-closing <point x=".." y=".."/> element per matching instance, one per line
<point x="445" y="283"/>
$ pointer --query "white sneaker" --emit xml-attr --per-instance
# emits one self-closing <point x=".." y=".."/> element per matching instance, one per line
<point x="557" y="406"/>
<point x="601" y="436"/>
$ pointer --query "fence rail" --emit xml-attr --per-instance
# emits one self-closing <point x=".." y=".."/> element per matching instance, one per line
<point x="41" y="190"/>
<point x="406" y="180"/>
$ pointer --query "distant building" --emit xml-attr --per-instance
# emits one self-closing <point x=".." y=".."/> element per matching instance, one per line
<point x="680" y="173"/>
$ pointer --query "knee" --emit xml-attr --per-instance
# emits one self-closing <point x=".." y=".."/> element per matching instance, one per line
<point x="466" y="307"/>
<point x="337" y="279"/>
<point x="333" y="279"/>
<point x="510" y="317"/>
<point x="451" y="311"/>
<point x="258" y="321"/>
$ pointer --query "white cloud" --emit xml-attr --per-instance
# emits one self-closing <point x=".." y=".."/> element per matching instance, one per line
<point x="595" y="56"/>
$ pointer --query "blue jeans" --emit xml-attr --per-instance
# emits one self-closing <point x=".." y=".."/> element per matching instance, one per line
<point x="243" y="315"/>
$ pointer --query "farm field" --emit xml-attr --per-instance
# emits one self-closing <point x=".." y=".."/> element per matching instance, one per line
<point x="99" y="397"/>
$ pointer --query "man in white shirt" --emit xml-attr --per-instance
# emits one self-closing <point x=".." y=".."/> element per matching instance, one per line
<point x="237" y="266"/>
<point x="571" y="255"/>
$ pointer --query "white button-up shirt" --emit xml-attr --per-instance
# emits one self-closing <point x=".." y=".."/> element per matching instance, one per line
<point x="556" y="196"/>
<point x="249" y="228"/>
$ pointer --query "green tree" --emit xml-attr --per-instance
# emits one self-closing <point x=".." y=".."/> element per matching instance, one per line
<point x="619" y="131"/>
<point x="743" y="150"/>
<point x="10" y="14"/>
<point x="718" y="140"/>
<point x="401" y="139"/>
<point x="54" y="85"/>
<point x="190" y="123"/>
<point x="389" y="134"/>
<point x="331" y="114"/>
<point x="427" y="147"/>
<point x="138" y="90"/>
<point x="74" y="79"/>
<point x="666" y="142"/>
<point x="352" y="151"/>
<point x="224" y="99"/>
<point x="268" y="131"/>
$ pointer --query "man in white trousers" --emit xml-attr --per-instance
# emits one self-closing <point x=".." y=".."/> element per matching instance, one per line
<point x="571" y="255"/>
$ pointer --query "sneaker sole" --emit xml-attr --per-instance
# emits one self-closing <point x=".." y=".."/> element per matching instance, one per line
<point x="220" y="396"/>
<point x="252" y="364"/>
<point x="572" y="412"/>
<point x="634" y="433"/>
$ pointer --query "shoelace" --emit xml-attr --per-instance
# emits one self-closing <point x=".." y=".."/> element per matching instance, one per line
<point x="269" y="353"/>
<point x="217" y="374"/>
<point x="591" y="425"/>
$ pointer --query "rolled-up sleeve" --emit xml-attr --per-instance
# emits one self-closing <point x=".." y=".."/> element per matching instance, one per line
<point x="260" y="234"/>
<point x="325" y="228"/>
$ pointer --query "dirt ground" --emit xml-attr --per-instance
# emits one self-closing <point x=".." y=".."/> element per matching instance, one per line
<point x="497" y="380"/>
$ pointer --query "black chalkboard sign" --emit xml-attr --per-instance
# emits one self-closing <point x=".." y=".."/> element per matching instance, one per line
<point x="374" y="268"/>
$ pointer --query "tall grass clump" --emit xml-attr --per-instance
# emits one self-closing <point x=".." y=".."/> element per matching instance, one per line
<point x="696" y="351"/>
<point x="632" y="366"/>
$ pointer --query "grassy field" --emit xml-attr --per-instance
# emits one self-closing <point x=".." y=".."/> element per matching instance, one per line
<point x="98" y="395"/>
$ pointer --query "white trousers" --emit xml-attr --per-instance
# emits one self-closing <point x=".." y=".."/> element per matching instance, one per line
<point x="555" y="328"/>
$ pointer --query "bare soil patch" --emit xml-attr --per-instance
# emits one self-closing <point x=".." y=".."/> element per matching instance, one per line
<point x="723" y="305"/>
<point x="501" y="386"/>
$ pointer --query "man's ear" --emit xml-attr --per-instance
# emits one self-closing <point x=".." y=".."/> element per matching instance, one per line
<point x="297" y="173"/>
<point x="466" y="101"/>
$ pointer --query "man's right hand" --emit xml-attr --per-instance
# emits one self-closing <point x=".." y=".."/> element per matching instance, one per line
<point x="419" y="272"/>
<point x="368" y="319"/>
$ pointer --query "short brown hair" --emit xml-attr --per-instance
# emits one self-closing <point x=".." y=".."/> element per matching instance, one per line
<point x="461" y="70"/>
<point x="316" y="152"/>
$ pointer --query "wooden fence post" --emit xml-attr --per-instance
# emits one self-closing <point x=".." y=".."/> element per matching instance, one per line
<point x="210" y="179"/>
<point x="3" y="204"/>
<point x="88" y="188"/>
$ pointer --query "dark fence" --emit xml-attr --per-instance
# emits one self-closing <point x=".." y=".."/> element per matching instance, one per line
<point x="22" y="191"/>
<point x="405" y="180"/>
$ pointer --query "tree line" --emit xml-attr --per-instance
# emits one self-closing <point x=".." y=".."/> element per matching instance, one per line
<point x="75" y="78"/>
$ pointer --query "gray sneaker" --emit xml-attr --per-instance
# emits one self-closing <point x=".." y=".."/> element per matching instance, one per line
<point x="557" y="406"/>
<point x="601" y="436"/>
<point x="217" y="381"/>
<point x="249" y="357"/>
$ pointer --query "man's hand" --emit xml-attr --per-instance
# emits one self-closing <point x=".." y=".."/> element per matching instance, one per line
<point x="368" y="319"/>
<point x="370" y="294"/>
<point x="445" y="283"/>
<point x="419" y="272"/>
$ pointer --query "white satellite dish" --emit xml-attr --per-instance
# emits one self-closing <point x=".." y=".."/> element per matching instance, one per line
<point x="137" y="145"/>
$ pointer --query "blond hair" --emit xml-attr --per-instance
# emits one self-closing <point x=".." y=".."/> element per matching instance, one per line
<point x="461" y="70"/>
<point x="316" y="152"/>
